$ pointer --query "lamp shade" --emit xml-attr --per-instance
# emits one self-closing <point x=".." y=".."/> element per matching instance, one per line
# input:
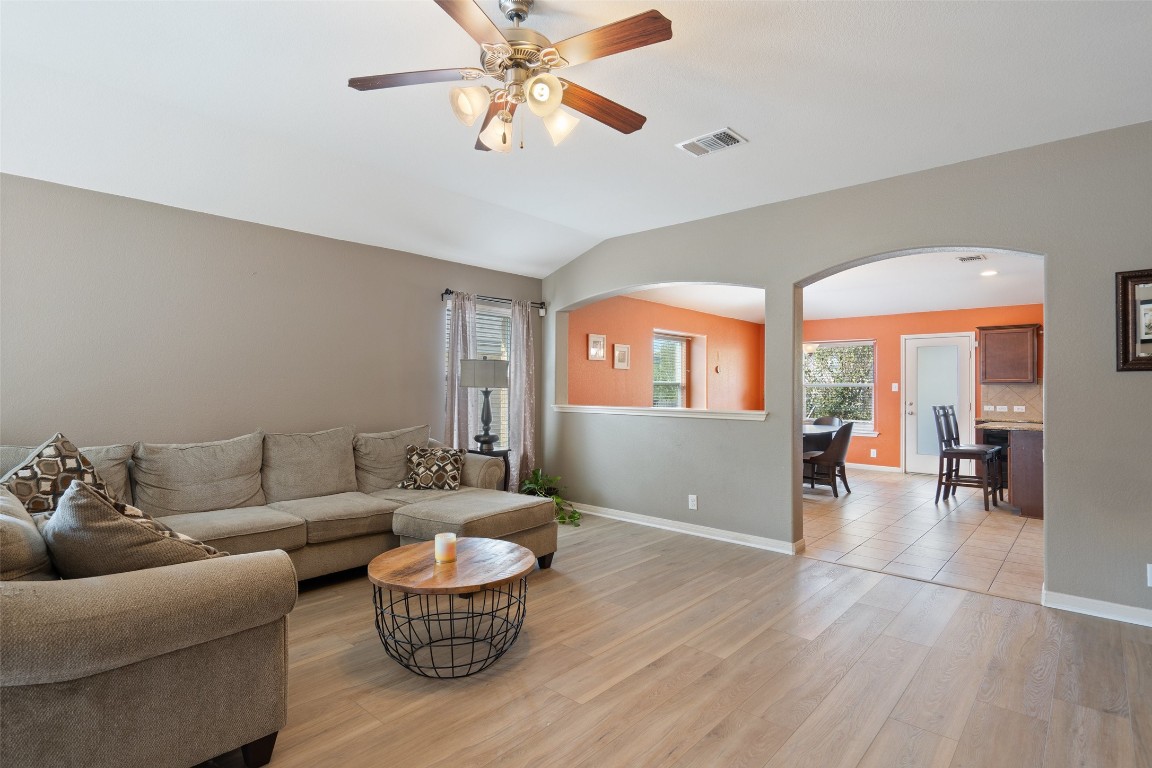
<point x="559" y="125"/>
<point x="544" y="93"/>
<point x="484" y="374"/>
<point x="469" y="103"/>
<point x="497" y="136"/>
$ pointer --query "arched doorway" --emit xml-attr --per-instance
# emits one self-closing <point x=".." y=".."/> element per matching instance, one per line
<point x="870" y="313"/>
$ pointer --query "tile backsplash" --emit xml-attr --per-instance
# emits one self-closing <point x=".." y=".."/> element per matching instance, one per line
<point x="1031" y="396"/>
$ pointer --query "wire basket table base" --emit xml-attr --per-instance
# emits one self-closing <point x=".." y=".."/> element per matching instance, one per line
<point x="450" y="635"/>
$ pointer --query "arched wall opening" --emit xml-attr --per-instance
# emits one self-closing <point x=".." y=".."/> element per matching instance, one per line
<point x="664" y="347"/>
<point x="947" y="298"/>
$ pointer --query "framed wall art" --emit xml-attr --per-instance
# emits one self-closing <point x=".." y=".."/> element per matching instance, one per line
<point x="1134" y="320"/>
<point x="621" y="356"/>
<point x="597" y="345"/>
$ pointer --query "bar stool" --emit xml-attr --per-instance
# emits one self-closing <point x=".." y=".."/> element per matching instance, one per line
<point x="952" y="452"/>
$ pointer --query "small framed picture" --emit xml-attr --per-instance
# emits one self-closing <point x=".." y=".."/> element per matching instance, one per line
<point x="1145" y="317"/>
<point x="621" y="356"/>
<point x="597" y="345"/>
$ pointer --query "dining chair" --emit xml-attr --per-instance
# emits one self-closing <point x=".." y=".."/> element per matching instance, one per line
<point x="827" y="465"/>
<point x="828" y="421"/>
<point x="952" y="452"/>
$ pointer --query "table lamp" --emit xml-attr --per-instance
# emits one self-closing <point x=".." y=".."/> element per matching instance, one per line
<point x="485" y="375"/>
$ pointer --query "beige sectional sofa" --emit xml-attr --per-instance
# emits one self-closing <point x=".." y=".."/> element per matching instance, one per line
<point x="329" y="499"/>
<point x="114" y="671"/>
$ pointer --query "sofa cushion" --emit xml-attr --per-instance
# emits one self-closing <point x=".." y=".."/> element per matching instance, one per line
<point x="199" y="477"/>
<point x="41" y="479"/>
<point x="381" y="461"/>
<point x="23" y="553"/>
<point x="433" y="468"/>
<point x="341" y="515"/>
<point x="304" y="464"/>
<point x="110" y="461"/>
<point x="405" y="496"/>
<point x="473" y="512"/>
<point x="243" y="530"/>
<point x="91" y="535"/>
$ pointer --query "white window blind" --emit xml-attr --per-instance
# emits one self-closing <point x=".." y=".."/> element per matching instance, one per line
<point x="669" y="371"/>
<point x="839" y="380"/>
<point x="493" y="338"/>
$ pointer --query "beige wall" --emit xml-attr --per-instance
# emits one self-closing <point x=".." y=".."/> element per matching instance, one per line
<point x="122" y="320"/>
<point x="1082" y="203"/>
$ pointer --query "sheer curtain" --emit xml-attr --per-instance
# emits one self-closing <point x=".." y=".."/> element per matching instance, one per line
<point x="521" y="396"/>
<point x="461" y="346"/>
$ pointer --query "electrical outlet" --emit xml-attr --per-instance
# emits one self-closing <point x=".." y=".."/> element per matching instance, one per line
<point x="691" y="501"/>
<point x="1019" y="408"/>
<point x="990" y="408"/>
<point x="895" y="386"/>
<point x="872" y="453"/>
<point x="1002" y="408"/>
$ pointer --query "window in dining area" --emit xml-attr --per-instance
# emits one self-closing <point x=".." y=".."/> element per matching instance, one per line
<point x="839" y="379"/>
<point x="669" y="371"/>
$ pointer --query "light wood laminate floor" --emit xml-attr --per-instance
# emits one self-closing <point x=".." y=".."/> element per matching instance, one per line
<point x="890" y="523"/>
<point x="644" y="647"/>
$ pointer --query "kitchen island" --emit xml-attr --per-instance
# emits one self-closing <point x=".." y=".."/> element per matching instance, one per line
<point x="1023" y="442"/>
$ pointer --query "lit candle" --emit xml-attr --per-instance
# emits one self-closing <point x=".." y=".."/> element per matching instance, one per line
<point x="445" y="547"/>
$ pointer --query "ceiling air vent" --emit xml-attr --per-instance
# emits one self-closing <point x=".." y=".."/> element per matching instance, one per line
<point x="712" y="142"/>
<point x="973" y="257"/>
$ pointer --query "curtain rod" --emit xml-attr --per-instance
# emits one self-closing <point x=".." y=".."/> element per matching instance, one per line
<point x="496" y="299"/>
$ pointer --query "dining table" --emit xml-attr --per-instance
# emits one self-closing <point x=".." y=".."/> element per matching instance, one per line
<point x="817" y="437"/>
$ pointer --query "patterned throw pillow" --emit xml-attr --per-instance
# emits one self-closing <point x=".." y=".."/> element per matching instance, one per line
<point x="90" y="534"/>
<point x="44" y="476"/>
<point x="433" y="468"/>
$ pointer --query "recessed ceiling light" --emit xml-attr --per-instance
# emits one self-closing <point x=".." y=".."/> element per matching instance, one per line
<point x="988" y="273"/>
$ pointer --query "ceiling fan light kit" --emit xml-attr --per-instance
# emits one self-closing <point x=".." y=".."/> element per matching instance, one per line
<point x="522" y="60"/>
<point x="469" y="103"/>
<point x="498" y="135"/>
<point x="559" y="125"/>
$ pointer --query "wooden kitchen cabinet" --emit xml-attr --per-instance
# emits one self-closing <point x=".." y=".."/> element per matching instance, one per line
<point x="1024" y="450"/>
<point x="1008" y="354"/>
<point x="1026" y="472"/>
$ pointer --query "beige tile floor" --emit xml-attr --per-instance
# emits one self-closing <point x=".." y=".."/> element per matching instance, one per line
<point x="890" y="524"/>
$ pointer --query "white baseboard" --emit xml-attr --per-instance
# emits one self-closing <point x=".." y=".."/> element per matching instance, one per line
<point x="703" y="531"/>
<point x="873" y="467"/>
<point x="1099" y="608"/>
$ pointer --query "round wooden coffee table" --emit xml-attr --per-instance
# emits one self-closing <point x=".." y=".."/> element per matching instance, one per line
<point x="450" y="619"/>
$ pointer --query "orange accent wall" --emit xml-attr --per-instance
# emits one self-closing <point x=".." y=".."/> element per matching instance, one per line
<point x="886" y="330"/>
<point x="736" y="346"/>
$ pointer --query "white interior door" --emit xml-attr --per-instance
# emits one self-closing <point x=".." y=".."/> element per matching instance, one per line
<point x="937" y="371"/>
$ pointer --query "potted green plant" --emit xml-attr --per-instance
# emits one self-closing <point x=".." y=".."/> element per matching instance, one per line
<point x="539" y="484"/>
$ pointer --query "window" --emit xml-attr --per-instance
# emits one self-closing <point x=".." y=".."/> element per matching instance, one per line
<point x="669" y="371"/>
<point x="494" y="339"/>
<point x="839" y="381"/>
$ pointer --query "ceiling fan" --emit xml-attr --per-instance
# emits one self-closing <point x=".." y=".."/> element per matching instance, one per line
<point x="522" y="60"/>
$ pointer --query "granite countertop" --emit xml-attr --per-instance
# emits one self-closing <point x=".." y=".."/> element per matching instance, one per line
<point x="1021" y="426"/>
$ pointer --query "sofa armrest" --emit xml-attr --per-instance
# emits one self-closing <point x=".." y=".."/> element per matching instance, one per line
<point x="52" y="631"/>
<point x="483" y="472"/>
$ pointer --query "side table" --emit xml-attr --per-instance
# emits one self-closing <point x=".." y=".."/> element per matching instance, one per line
<point x="502" y="454"/>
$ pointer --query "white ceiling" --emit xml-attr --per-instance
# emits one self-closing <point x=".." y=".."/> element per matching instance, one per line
<point x="241" y="109"/>
<point x="924" y="282"/>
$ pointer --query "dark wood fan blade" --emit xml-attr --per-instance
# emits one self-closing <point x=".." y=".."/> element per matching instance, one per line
<point x="634" y="32"/>
<point x="602" y="109"/>
<point x="474" y="21"/>
<point x="493" y="108"/>
<point x="395" y="79"/>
